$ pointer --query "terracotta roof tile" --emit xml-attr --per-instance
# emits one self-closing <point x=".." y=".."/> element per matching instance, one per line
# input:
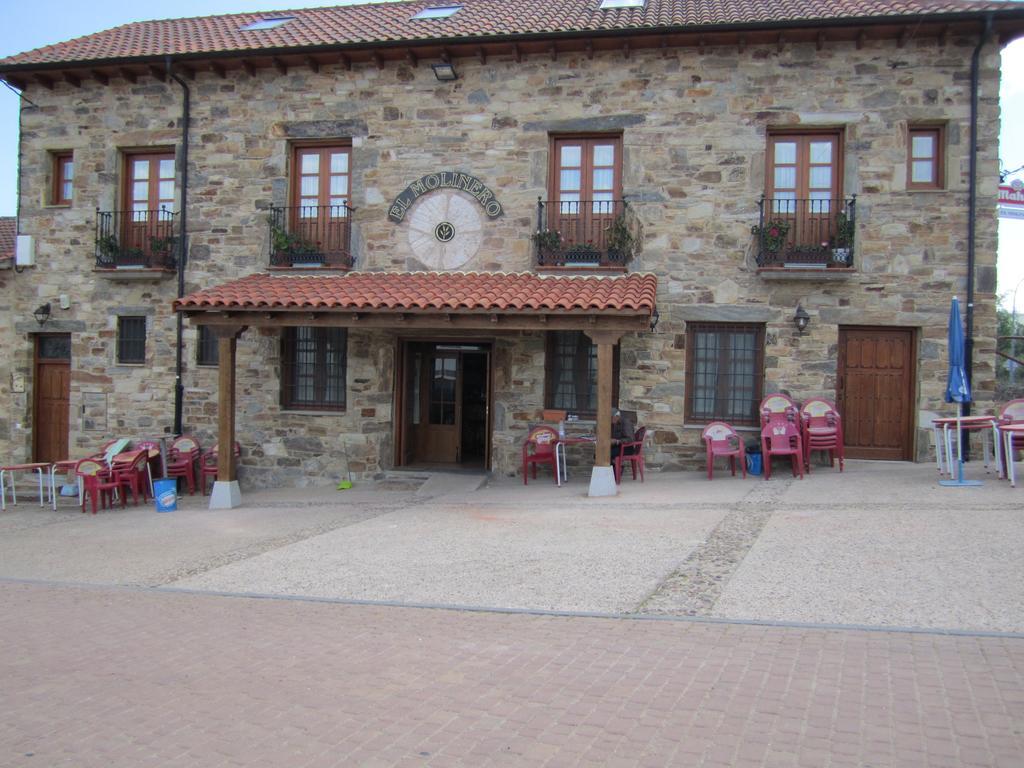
<point x="8" y="233"/>
<point x="392" y="22"/>
<point x="431" y="291"/>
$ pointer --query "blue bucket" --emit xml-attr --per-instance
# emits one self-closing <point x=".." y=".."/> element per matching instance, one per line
<point x="166" y="494"/>
<point x="754" y="463"/>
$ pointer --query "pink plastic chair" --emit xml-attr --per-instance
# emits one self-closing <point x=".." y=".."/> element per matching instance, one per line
<point x="822" y="431"/>
<point x="635" y="455"/>
<point x="781" y="433"/>
<point x="542" y="440"/>
<point x="720" y="439"/>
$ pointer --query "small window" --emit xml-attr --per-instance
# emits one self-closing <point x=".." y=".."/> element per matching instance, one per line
<point x="63" y="176"/>
<point x="440" y="12"/>
<point x="570" y="373"/>
<point x="925" y="157"/>
<point x="607" y="4"/>
<point x="724" y="372"/>
<point x="313" y="368"/>
<point x="271" y="23"/>
<point x="131" y="340"/>
<point x="207" y="350"/>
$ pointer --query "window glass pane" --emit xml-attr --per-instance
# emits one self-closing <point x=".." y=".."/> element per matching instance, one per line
<point x="314" y="365"/>
<point x="69" y="170"/>
<point x="725" y="383"/>
<point x="338" y="211"/>
<point x="785" y="178"/>
<point x="571" y="156"/>
<point x="603" y="203"/>
<point x="55" y="347"/>
<point x="821" y="177"/>
<point x="604" y="154"/>
<point x="821" y="151"/>
<point x="308" y="207"/>
<point x="66" y="190"/>
<point x="140" y="169"/>
<point x="167" y="168"/>
<point x="924" y="146"/>
<point x="820" y="202"/>
<point x="785" y="152"/>
<point x="310" y="163"/>
<point x="339" y="185"/>
<point x="569" y="203"/>
<point x="604" y="178"/>
<point x="131" y="339"/>
<point x="140" y="212"/>
<point x="570" y="180"/>
<point x="310" y="185"/>
<point x="339" y="162"/>
<point x="784" y="202"/>
<point x="167" y="190"/>
<point x="921" y="171"/>
<point x="140" y="191"/>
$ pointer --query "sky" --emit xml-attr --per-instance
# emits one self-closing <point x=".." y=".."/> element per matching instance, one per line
<point x="35" y="23"/>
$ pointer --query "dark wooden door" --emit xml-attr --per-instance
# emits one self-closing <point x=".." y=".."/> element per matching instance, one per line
<point x="440" y="430"/>
<point x="51" y="397"/>
<point x="876" y="392"/>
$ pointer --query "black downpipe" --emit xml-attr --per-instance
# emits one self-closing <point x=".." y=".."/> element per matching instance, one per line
<point x="972" y="206"/>
<point x="179" y="362"/>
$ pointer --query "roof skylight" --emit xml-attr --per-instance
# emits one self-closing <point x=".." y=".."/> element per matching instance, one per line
<point x="607" y="4"/>
<point x="439" y="12"/>
<point x="269" y="23"/>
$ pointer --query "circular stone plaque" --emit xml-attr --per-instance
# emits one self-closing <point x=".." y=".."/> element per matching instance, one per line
<point x="445" y="229"/>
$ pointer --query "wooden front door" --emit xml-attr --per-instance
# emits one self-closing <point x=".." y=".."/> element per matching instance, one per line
<point x="51" y="397"/>
<point x="876" y="392"/>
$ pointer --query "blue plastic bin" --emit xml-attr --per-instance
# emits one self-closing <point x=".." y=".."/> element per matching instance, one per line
<point x="166" y="494"/>
<point x="753" y="463"/>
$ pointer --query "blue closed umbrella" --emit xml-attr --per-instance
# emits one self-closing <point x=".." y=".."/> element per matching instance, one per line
<point x="958" y="386"/>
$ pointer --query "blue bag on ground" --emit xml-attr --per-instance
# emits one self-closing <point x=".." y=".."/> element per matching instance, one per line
<point x="166" y="492"/>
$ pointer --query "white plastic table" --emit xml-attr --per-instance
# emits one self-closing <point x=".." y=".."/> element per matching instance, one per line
<point x="42" y="470"/>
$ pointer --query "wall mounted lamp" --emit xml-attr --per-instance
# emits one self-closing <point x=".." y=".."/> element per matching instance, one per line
<point x="801" y="319"/>
<point x="655" y="317"/>
<point x="445" y="71"/>
<point x="42" y="313"/>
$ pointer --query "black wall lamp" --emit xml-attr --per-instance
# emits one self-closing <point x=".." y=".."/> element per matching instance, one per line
<point x="655" y="317"/>
<point x="445" y="71"/>
<point x="801" y="319"/>
<point x="42" y="313"/>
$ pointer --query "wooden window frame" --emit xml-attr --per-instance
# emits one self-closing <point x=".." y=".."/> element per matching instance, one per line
<point x="319" y="401"/>
<point x="938" y="158"/>
<point x="295" y="170"/>
<point x="722" y="388"/>
<point x="126" y="355"/>
<point x="549" y="375"/>
<point x="60" y="161"/>
<point x="586" y="167"/>
<point x="207" y="347"/>
<point x="802" y="164"/>
<point x="157" y="153"/>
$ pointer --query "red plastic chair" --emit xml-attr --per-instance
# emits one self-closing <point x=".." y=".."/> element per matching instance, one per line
<point x="181" y="460"/>
<point x="720" y="439"/>
<point x="130" y="472"/>
<point x="155" y="465"/>
<point x="1011" y="413"/>
<point x="208" y="465"/>
<point x="633" y="453"/>
<point x="781" y="433"/>
<point x="97" y="483"/>
<point x="822" y="431"/>
<point x="542" y="440"/>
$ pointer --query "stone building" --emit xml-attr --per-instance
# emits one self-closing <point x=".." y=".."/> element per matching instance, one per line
<point x="413" y="227"/>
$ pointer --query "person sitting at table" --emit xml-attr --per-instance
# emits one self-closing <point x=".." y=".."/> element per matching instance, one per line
<point x="622" y="432"/>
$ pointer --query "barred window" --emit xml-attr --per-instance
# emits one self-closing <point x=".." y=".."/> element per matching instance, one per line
<point x="313" y="368"/>
<point x="570" y="381"/>
<point x="207" y="350"/>
<point x="131" y="340"/>
<point x="724" y="372"/>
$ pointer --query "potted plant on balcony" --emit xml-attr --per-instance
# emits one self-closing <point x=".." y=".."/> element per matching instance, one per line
<point x="292" y="247"/>
<point x="620" y="240"/>
<point x="773" y="235"/>
<point x="842" y="241"/>
<point x="549" y="244"/>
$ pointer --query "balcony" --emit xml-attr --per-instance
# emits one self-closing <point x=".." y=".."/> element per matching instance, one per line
<point x="311" y="236"/>
<point x="585" y="234"/>
<point x="806" y="234"/>
<point x="137" y="240"/>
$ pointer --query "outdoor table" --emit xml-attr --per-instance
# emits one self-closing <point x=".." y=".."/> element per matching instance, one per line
<point x="985" y="424"/>
<point x="1009" y="431"/>
<point x="7" y="473"/>
<point x="57" y="468"/>
<point x="561" y="470"/>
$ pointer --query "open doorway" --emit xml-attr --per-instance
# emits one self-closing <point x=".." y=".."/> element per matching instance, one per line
<point x="444" y="398"/>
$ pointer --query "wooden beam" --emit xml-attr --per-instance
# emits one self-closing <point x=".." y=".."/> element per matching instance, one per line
<point x="249" y="67"/>
<point x="72" y="80"/>
<point x="741" y="44"/>
<point x="819" y="43"/>
<point x="481" y="54"/>
<point x="861" y="37"/>
<point x="128" y="75"/>
<point x="700" y="44"/>
<point x="159" y="73"/>
<point x="377" y="60"/>
<point x="189" y="72"/>
<point x="411" y="56"/>
<point x="605" y="342"/>
<point x="588" y="46"/>
<point x="99" y="77"/>
<point x="313" y="64"/>
<point x="21" y="85"/>
<point x="44" y="81"/>
<point x="625" y="48"/>
<point x="904" y="36"/>
<point x="554" y="52"/>
<point x="227" y="345"/>
<point x="279" y="65"/>
<point x="346" y="62"/>
<point x="517" y="53"/>
<point x="944" y="36"/>
<point x="781" y="42"/>
<point x="446" y="55"/>
<point x="218" y="70"/>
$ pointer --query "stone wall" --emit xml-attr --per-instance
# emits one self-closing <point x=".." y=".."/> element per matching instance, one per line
<point x="694" y="134"/>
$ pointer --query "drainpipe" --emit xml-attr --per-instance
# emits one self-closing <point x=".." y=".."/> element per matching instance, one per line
<point x="972" y="206"/>
<point x="179" y="387"/>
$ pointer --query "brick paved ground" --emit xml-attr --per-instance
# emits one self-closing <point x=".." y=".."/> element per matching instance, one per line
<point x="99" y="676"/>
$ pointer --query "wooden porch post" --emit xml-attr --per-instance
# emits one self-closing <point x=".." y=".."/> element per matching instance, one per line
<point x="226" y="493"/>
<point x="602" y="479"/>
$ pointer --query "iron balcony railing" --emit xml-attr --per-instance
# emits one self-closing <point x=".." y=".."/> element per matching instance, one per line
<point x="806" y="232"/>
<point x="311" y="235"/>
<point x="147" y="239"/>
<point x="584" y="233"/>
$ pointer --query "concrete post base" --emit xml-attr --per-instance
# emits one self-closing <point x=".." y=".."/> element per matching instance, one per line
<point x="225" y="495"/>
<point x="602" y="482"/>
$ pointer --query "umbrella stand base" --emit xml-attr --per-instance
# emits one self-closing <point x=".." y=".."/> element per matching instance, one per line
<point x="959" y="483"/>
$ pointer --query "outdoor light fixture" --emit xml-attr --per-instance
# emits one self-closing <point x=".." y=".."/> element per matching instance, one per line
<point x="655" y="317"/>
<point x="801" y="319"/>
<point x="42" y="313"/>
<point x="445" y="71"/>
